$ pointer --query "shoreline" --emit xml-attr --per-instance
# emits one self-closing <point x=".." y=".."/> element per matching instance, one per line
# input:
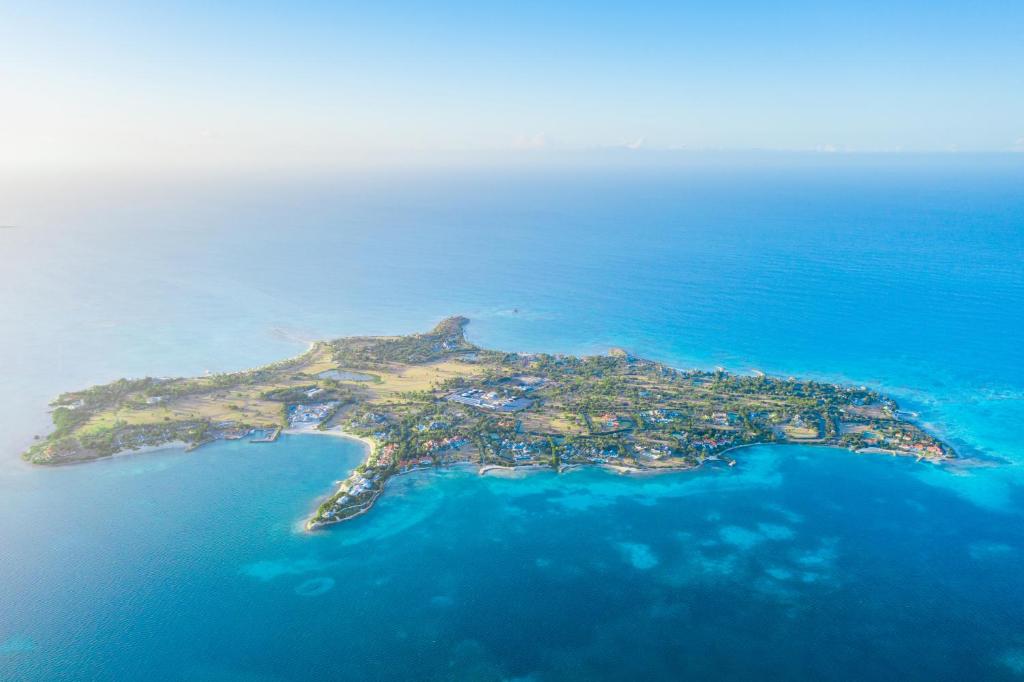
<point x="502" y="471"/>
<point x="308" y="525"/>
<point x="397" y="448"/>
<point x="185" y="448"/>
<point x="515" y="472"/>
<point x="335" y="431"/>
<point x="493" y="470"/>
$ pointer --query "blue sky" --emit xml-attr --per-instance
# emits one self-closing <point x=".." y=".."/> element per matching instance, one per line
<point x="317" y="83"/>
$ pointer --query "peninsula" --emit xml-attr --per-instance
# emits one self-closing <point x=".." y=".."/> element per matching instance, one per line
<point x="435" y="399"/>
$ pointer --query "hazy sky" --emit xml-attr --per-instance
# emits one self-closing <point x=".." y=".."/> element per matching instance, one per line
<point x="99" y="84"/>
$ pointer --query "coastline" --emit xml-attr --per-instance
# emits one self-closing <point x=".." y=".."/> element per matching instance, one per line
<point x="335" y="431"/>
<point x="145" y="449"/>
<point x="502" y="471"/>
<point x="495" y="470"/>
<point x="517" y="472"/>
<point x="309" y="524"/>
<point x="427" y="365"/>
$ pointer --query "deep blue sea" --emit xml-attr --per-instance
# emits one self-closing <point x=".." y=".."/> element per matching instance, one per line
<point x="800" y="563"/>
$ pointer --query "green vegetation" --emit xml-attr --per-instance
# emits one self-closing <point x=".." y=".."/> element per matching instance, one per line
<point x="371" y="352"/>
<point x="437" y="399"/>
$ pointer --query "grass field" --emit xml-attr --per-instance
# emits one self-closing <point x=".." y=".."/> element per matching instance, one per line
<point x="404" y="378"/>
<point x="245" y="403"/>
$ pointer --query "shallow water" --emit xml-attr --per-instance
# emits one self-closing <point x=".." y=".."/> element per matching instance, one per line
<point x="800" y="562"/>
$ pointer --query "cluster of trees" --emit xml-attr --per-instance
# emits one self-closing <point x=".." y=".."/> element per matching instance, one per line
<point x="105" y="441"/>
<point x="298" y="394"/>
<point x="74" y="409"/>
<point x="445" y="339"/>
<point x="288" y="394"/>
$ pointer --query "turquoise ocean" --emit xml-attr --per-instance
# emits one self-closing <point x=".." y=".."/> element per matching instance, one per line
<point x="904" y="274"/>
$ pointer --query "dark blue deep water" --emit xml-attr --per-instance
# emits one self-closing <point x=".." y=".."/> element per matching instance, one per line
<point x="907" y="275"/>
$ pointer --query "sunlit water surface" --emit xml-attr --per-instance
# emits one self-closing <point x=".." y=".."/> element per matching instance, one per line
<point x="800" y="562"/>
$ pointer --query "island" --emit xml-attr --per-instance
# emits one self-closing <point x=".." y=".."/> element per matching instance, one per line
<point x="436" y="399"/>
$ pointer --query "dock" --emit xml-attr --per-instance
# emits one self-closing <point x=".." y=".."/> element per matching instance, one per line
<point x="269" y="438"/>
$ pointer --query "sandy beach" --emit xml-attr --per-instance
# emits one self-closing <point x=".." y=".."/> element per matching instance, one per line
<point x="337" y="433"/>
